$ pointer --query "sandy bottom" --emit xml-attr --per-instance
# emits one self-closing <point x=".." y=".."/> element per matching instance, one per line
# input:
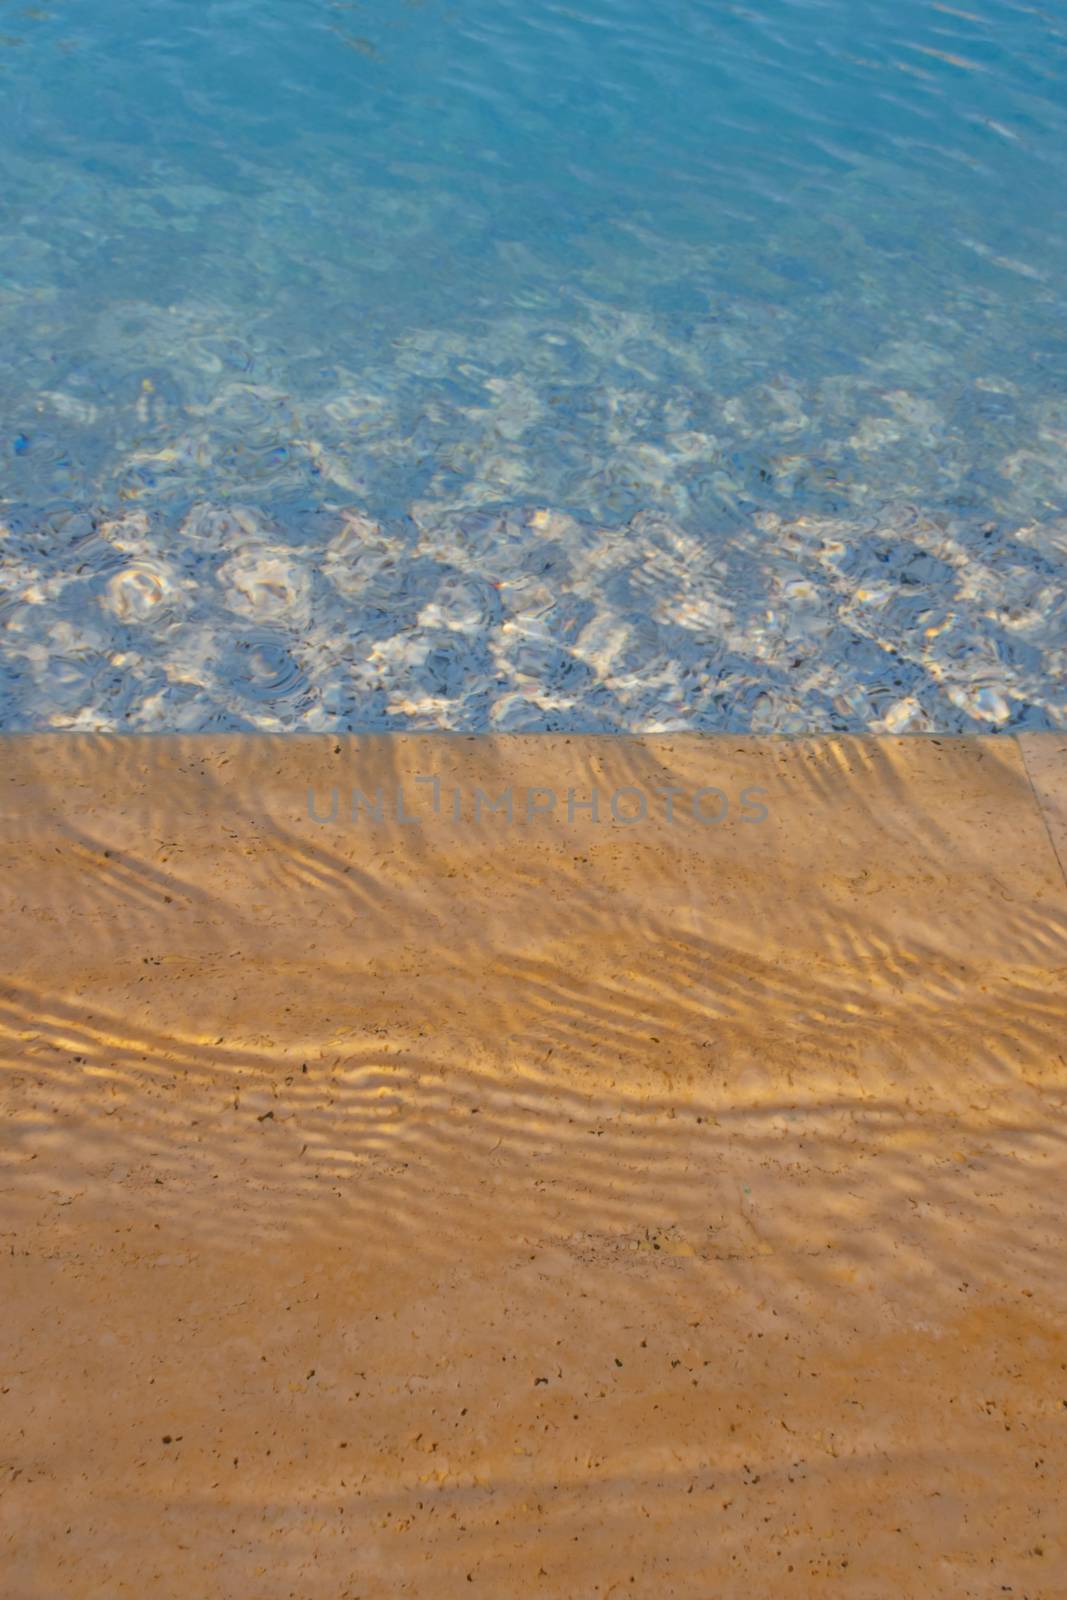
<point x="545" y="1206"/>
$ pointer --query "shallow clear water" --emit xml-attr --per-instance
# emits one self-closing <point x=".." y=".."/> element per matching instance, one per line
<point x="615" y="365"/>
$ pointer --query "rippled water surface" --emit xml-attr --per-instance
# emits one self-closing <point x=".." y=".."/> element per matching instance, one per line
<point x="610" y="365"/>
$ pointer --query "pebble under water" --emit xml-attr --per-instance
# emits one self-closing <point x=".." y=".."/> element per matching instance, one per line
<point x="603" y="366"/>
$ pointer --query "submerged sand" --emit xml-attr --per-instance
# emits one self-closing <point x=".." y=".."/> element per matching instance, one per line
<point x="536" y="1206"/>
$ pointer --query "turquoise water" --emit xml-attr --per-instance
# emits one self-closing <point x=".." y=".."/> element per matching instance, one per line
<point x="616" y="365"/>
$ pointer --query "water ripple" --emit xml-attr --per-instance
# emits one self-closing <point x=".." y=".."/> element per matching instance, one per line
<point x="700" y="367"/>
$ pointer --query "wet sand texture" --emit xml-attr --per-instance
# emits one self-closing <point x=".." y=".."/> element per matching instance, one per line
<point x="552" y="1208"/>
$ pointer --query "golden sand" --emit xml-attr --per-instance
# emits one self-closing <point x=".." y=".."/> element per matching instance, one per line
<point x="537" y="1206"/>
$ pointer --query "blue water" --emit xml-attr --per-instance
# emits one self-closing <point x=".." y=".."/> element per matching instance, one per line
<point x="611" y="365"/>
